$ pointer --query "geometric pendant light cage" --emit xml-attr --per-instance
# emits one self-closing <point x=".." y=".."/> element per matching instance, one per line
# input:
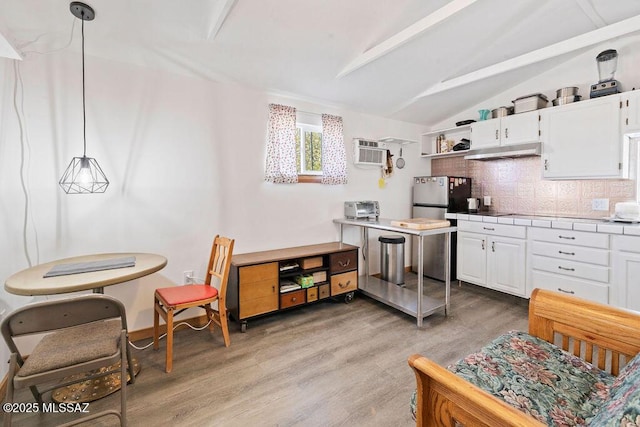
<point x="83" y="175"/>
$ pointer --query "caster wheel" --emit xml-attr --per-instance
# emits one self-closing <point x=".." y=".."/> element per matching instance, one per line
<point x="243" y="327"/>
<point x="348" y="297"/>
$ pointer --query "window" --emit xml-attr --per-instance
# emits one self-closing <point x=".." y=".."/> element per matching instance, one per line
<point x="308" y="149"/>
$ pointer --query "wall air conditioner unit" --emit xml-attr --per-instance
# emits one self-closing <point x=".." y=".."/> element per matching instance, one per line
<point x="367" y="152"/>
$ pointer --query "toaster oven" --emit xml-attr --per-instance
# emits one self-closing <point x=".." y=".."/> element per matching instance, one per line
<point x="368" y="209"/>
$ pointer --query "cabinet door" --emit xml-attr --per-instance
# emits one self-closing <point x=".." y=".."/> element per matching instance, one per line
<point x="259" y="289"/>
<point x="506" y="265"/>
<point x="472" y="261"/>
<point x="520" y="128"/>
<point x="631" y="112"/>
<point x="582" y="140"/>
<point x="626" y="266"/>
<point x="485" y="134"/>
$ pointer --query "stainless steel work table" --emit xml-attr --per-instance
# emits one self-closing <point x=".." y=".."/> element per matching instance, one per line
<point x="406" y="300"/>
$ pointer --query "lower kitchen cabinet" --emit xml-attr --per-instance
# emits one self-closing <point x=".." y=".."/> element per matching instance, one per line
<point x="270" y="281"/>
<point x="488" y="256"/>
<point x="626" y="271"/>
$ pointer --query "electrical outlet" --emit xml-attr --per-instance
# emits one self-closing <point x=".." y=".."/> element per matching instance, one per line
<point x="188" y="277"/>
<point x="600" y="204"/>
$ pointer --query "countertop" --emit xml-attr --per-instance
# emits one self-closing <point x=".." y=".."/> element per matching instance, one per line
<point x="565" y="223"/>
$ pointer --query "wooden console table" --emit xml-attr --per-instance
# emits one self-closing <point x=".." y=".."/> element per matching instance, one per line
<point x="260" y="282"/>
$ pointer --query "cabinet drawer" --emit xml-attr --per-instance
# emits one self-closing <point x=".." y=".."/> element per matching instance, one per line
<point x="570" y="268"/>
<point x="571" y="253"/>
<point x="255" y="273"/>
<point x="324" y="291"/>
<point x="570" y="237"/>
<point x="312" y="294"/>
<point x="291" y="299"/>
<point x="577" y="287"/>
<point x="626" y="243"/>
<point x="344" y="282"/>
<point x="343" y="261"/>
<point x="492" y="229"/>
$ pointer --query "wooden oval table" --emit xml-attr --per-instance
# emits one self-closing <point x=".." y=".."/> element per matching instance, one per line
<point x="32" y="281"/>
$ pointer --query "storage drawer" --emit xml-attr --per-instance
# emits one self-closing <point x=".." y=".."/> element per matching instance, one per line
<point x="570" y="268"/>
<point x="569" y="285"/>
<point x="344" y="282"/>
<point x="308" y="263"/>
<point x="570" y="237"/>
<point x="626" y="243"/>
<point x="312" y="294"/>
<point x="571" y="253"/>
<point x="343" y="261"/>
<point x="291" y="299"/>
<point x="324" y="291"/>
<point x="491" y="229"/>
<point x="255" y="273"/>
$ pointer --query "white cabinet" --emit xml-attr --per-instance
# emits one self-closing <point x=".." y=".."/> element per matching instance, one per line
<point x="492" y="255"/>
<point x="572" y="262"/>
<point x="626" y="271"/>
<point x="630" y="112"/>
<point x="582" y="139"/>
<point x="508" y="130"/>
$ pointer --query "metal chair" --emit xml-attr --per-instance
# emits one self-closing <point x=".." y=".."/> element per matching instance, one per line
<point x="173" y="300"/>
<point x="85" y="334"/>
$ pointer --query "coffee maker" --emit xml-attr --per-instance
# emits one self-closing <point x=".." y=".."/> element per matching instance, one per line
<point x="607" y="64"/>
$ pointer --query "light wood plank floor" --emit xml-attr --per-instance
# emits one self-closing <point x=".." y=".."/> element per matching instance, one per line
<point x="328" y="364"/>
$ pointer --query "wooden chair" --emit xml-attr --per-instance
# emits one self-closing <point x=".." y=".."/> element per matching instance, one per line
<point x="84" y="335"/>
<point x="173" y="300"/>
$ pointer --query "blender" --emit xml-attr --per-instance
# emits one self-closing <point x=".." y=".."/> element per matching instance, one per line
<point x="607" y="63"/>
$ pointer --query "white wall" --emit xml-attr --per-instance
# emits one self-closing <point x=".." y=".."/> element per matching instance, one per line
<point x="185" y="158"/>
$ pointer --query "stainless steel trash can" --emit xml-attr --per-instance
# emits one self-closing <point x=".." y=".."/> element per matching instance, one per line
<point x="392" y="258"/>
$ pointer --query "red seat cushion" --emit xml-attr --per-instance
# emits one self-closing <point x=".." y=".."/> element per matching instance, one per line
<point x="177" y="295"/>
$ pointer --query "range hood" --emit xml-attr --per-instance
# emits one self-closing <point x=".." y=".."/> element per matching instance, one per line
<point x="505" y="152"/>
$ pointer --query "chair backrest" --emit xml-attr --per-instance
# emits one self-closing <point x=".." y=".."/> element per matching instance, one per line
<point x="220" y="264"/>
<point x="46" y="316"/>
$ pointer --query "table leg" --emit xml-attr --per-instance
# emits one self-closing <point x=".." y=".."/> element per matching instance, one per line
<point x="447" y="272"/>
<point x="420" y="277"/>
<point x="366" y="251"/>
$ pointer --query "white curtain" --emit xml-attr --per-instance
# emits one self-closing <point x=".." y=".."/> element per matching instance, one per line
<point x="334" y="156"/>
<point x="281" y="146"/>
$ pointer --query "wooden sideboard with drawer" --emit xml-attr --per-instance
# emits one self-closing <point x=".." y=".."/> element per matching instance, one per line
<point x="258" y="281"/>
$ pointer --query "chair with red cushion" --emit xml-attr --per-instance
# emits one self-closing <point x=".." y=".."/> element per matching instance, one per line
<point x="171" y="301"/>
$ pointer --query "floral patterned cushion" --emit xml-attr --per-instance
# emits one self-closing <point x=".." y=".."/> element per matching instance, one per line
<point x="623" y="406"/>
<point x="537" y="378"/>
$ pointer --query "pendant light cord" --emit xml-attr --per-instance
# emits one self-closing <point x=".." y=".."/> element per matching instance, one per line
<point x="84" y="114"/>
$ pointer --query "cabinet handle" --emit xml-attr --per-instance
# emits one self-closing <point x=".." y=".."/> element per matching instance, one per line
<point x="506" y="133"/>
<point x="546" y="164"/>
<point x="566" y="292"/>
<point x="497" y="133"/>
<point x="566" y="269"/>
<point x="566" y="253"/>
<point x="493" y="246"/>
<point x="483" y="244"/>
<point x="344" y="264"/>
<point x="560" y="236"/>
<point x="489" y="228"/>
<point x="273" y="288"/>
<point x="294" y="299"/>
<point x="345" y="285"/>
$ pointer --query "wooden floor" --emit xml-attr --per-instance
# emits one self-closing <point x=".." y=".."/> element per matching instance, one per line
<point x="328" y="364"/>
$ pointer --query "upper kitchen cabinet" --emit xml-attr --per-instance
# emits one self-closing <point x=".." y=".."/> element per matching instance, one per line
<point x="582" y="140"/>
<point x="631" y="112"/>
<point x="508" y="130"/>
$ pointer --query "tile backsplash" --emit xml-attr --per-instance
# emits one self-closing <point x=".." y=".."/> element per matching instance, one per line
<point x="516" y="186"/>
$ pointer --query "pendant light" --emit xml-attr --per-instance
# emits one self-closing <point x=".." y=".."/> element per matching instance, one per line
<point x="83" y="175"/>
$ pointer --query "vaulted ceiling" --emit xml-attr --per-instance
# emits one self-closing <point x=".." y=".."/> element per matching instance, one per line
<point x="413" y="60"/>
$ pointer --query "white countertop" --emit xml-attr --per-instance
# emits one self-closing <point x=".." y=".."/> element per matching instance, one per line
<point x="578" y="224"/>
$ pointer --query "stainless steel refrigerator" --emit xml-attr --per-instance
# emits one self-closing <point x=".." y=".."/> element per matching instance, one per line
<point x="433" y="196"/>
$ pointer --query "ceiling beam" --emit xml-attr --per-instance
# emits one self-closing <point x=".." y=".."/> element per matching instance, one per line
<point x="222" y="14"/>
<point x="405" y="35"/>
<point x="7" y="48"/>
<point x="591" y="38"/>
